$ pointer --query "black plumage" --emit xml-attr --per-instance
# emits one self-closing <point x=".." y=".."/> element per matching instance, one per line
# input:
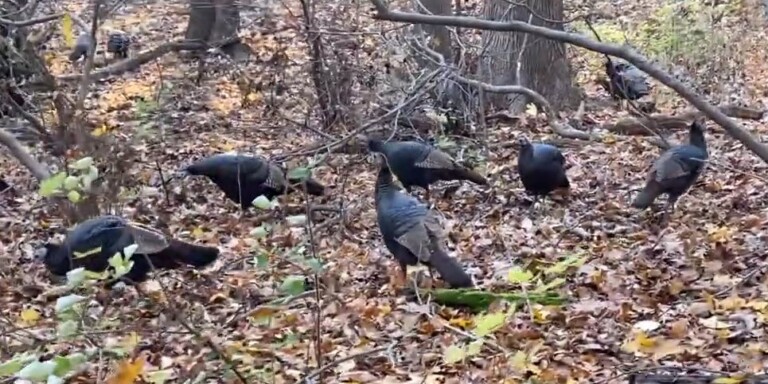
<point x="244" y="178"/>
<point x="412" y="232"/>
<point x="102" y="237"/>
<point x="675" y="171"/>
<point x="541" y="168"/>
<point x="118" y="43"/>
<point x="626" y="81"/>
<point x="82" y="45"/>
<point x="418" y="164"/>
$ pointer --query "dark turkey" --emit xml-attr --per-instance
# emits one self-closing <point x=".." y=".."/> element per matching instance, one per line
<point x="412" y="232"/>
<point x="82" y="45"/>
<point x="675" y="171"/>
<point x="626" y="81"/>
<point x="118" y="44"/>
<point x="541" y="168"/>
<point x="110" y="235"/>
<point x="418" y="164"/>
<point x="254" y="176"/>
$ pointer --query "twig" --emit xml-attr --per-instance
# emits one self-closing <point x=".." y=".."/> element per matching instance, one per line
<point x="308" y="379"/>
<point x="23" y="156"/>
<point x="163" y="182"/>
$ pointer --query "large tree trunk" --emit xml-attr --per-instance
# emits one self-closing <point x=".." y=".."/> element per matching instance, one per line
<point x="216" y="22"/>
<point x="544" y="65"/>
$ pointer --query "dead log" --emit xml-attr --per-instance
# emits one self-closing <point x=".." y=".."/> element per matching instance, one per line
<point x="638" y="126"/>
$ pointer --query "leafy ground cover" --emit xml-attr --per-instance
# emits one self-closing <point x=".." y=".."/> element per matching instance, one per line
<point x="692" y="294"/>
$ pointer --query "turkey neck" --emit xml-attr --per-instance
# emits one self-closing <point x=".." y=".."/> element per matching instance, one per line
<point x="697" y="137"/>
<point x="526" y="151"/>
<point x="376" y="145"/>
<point x="384" y="184"/>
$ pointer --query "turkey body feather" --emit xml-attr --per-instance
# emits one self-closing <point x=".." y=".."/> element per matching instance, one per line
<point x="93" y="242"/>
<point x="541" y="168"/>
<point x="418" y="164"/>
<point x="82" y="45"/>
<point x="412" y="232"/>
<point x="676" y="170"/>
<point x="627" y="81"/>
<point x="244" y="178"/>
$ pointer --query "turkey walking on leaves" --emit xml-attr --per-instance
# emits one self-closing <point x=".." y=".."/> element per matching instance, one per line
<point x="118" y="44"/>
<point x="675" y="171"/>
<point x="412" y="232"/>
<point x="627" y="82"/>
<point x="244" y="178"/>
<point x="82" y="45"/>
<point x="541" y="168"/>
<point x="100" y="238"/>
<point x="419" y="164"/>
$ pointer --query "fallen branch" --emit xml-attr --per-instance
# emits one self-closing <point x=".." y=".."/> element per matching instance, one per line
<point x="710" y="111"/>
<point x="635" y="125"/>
<point x="143" y="58"/>
<point x="22" y="155"/>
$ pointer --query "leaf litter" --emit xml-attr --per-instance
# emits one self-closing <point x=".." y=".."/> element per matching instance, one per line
<point x="692" y="294"/>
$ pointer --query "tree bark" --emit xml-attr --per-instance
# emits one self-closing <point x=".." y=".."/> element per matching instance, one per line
<point x="543" y="64"/>
<point x="216" y="22"/>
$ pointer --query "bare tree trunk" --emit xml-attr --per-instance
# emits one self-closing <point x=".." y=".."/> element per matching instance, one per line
<point x="543" y="64"/>
<point x="217" y="22"/>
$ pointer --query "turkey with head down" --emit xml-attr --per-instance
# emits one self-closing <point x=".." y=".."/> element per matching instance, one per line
<point x="541" y="168"/>
<point x="418" y="164"/>
<point x="412" y="232"/>
<point x="244" y="178"/>
<point x="675" y="171"/>
<point x="93" y="242"/>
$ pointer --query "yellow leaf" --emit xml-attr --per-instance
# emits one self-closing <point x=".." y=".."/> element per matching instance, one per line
<point x="609" y="139"/>
<point x="487" y="324"/>
<point x="100" y="131"/>
<point x="460" y="322"/>
<point x="540" y="315"/>
<point x="66" y="30"/>
<point x="127" y="371"/>
<point x="518" y="275"/>
<point x="531" y="109"/>
<point x="264" y="312"/>
<point x="453" y="354"/>
<point x="640" y="343"/>
<point x="197" y="233"/>
<point x="519" y="362"/>
<point x="29" y="316"/>
<point x="720" y="234"/>
<point x="728" y="380"/>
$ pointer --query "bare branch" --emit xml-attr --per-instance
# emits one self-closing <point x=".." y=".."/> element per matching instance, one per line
<point x="30" y="22"/>
<point x="733" y="128"/>
<point x="22" y="155"/>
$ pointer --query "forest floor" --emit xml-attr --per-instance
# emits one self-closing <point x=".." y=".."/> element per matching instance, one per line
<point x="693" y="294"/>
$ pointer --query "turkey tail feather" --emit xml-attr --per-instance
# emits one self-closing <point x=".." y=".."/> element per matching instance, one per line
<point x="450" y="270"/>
<point x="468" y="174"/>
<point x="647" y="195"/>
<point x="180" y="253"/>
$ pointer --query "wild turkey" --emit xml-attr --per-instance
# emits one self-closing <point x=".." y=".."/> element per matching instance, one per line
<point x="111" y="234"/>
<point x="82" y="45"/>
<point x="419" y="164"/>
<point x="675" y="171"/>
<point x="412" y="232"/>
<point x="626" y="81"/>
<point x="256" y="177"/>
<point x="118" y="44"/>
<point x="541" y="168"/>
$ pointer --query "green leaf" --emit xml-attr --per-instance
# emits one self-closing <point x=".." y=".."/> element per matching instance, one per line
<point x="262" y="260"/>
<point x="71" y="182"/>
<point x="75" y="277"/>
<point x="66" y="329"/>
<point x="53" y="379"/>
<point x="52" y="185"/>
<point x="315" y="264"/>
<point x="296" y="220"/>
<point x="82" y="164"/>
<point x="454" y="354"/>
<point x="261" y="231"/>
<point x="262" y="202"/>
<point x="37" y="371"/>
<point x="556" y="282"/>
<point x="10" y="367"/>
<point x="66" y="364"/>
<point x="130" y="250"/>
<point x="518" y="275"/>
<point x="66" y="302"/>
<point x="120" y="264"/>
<point x="293" y="285"/>
<point x="474" y="347"/>
<point x="299" y="174"/>
<point x="489" y="323"/>
<point x="563" y="265"/>
<point x="73" y="196"/>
